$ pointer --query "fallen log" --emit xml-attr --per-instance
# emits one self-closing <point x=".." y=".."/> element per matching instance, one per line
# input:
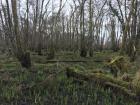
<point x="105" y="81"/>
<point x="96" y="77"/>
<point x="72" y="61"/>
<point x="120" y="89"/>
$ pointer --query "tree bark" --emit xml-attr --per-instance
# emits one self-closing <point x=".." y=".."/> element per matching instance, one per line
<point x="22" y="56"/>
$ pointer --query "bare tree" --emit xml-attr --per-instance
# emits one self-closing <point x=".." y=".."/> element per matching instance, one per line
<point x="22" y="55"/>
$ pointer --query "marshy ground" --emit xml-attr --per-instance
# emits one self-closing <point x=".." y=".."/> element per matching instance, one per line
<point x="46" y="83"/>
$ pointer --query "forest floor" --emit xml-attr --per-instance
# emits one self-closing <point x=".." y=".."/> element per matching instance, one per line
<point x="47" y="83"/>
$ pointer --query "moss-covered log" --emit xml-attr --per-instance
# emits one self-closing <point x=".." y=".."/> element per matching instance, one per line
<point x="118" y="65"/>
<point x="106" y="81"/>
<point x="96" y="76"/>
<point x="120" y="89"/>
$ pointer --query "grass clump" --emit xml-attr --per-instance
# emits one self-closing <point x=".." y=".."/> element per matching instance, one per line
<point x="136" y="83"/>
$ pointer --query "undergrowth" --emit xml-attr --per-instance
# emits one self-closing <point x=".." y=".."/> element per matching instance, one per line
<point x="47" y="84"/>
<point x="24" y="88"/>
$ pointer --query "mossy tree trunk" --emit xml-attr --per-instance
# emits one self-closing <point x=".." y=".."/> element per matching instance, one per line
<point x="83" y="50"/>
<point x="138" y="34"/>
<point x="113" y="36"/>
<point x="91" y="38"/>
<point x="21" y="54"/>
<point x="40" y="39"/>
<point x="132" y="51"/>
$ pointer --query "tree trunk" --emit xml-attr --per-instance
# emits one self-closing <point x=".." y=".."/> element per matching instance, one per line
<point x="22" y="56"/>
<point x="83" y="50"/>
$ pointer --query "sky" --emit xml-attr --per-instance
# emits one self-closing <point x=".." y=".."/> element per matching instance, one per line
<point x="56" y="2"/>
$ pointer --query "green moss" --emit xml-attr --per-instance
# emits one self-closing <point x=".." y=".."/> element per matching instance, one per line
<point x="11" y="66"/>
<point x="39" y="66"/>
